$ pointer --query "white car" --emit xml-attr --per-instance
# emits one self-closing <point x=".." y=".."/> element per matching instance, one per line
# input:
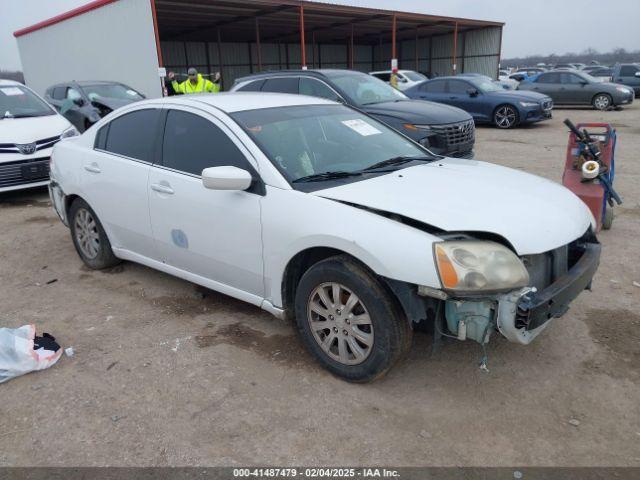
<point x="315" y="211"/>
<point x="406" y="78"/>
<point x="29" y="128"/>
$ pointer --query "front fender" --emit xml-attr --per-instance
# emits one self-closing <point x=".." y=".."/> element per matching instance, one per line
<point x="389" y="248"/>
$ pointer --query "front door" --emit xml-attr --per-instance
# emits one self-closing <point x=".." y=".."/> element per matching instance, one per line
<point x="214" y="234"/>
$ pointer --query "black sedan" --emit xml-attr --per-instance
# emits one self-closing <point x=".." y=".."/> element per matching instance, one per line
<point x="572" y="87"/>
<point x="84" y="103"/>
<point x="486" y="101"/>
<point x="445" y="130"/>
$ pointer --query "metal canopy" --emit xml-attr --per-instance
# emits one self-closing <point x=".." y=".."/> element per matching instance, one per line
<point x="279" y="21"/>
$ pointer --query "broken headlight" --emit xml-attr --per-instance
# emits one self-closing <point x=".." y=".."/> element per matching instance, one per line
<point x="475" y="266"/>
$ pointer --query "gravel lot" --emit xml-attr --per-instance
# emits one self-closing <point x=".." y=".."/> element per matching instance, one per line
<point x="168" y="374"/>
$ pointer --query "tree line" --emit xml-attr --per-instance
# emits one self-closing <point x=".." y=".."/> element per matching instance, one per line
<point x="618" y="55"/>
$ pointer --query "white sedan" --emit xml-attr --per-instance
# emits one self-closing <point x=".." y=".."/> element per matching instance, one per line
<point x="29" y="128"/>
<point x="317" y="212"/>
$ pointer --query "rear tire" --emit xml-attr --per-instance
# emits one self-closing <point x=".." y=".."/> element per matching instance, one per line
<point x="89" y="237"/>
<point x="602" y="101"/>
<point x="349" y="321"/>
<point x="506" y="116"/>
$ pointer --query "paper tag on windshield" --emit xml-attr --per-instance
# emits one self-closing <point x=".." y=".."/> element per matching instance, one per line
<point x="362" y="127"/>
<point x="11" y="91"/>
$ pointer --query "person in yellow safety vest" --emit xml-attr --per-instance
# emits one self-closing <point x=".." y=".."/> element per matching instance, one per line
<point x="195" y="83"/>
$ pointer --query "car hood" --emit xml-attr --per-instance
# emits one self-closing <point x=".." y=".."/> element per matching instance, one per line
<point x="28" y="130"/>
<point x="534" y="214"/>
<point x="521" y="95"/>
<point x="418" y="111"/>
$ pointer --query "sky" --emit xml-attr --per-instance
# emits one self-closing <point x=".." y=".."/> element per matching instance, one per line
<point x="532" y="26"/>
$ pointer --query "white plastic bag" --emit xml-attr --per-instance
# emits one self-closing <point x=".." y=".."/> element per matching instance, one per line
<point x="17" y="355"/>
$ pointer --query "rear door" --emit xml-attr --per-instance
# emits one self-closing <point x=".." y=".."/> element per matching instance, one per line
<point x="213" y="234"/>
<point x="434" y="90"/>
<point x="115" y="178"/>
<point x="548" y="84"/>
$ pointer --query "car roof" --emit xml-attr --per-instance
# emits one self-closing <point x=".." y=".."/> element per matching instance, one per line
<point x="9" y="82"/>
<point x="314" y="72"/>
<point x="230" y="102"/>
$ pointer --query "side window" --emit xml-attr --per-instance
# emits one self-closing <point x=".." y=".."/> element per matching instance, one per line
<point x="437" y="86"/>
<point x="133" y="134"/>
<point x="549" y="78"/>
<point x="628" y="71"/>
<point x="281" y="85"/>
<point x="315" y="88"/>
<point x="252" y="86"/>
<point x="385" y="77"/>
<point x="72" y="94"/>
<point x="101" y="137"/>
<point x="58" y="93"/>
<point x="192" y="143"/>
<point x="458" y="87"/>
<point x="571" y="79"/>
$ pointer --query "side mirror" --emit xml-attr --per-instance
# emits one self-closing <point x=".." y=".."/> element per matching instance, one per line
<point x="637" y="74"/>
<point x="78" y="101"/>
<point x="472" y="92"/>
<point x="583" y="83"/>
<point x="226" y="178"/>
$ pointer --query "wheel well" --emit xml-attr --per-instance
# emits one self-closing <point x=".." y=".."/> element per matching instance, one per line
<point x="602" y="93"/>
<point x="68" y="201"/>
<point x="296" y="267"/>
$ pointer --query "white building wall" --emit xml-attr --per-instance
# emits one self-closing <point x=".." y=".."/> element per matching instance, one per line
<point x="114" y="42"/>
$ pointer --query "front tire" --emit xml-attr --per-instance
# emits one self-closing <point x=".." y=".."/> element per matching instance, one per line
<point x="602" y="101"/>
<point x="89" y="237"/>
<point x="505" y="117"/>
<point x="349" y="321"/>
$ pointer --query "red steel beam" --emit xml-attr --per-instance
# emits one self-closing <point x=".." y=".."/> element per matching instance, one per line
<point x="393" y="37"/>
<point x="303" y="52"/>
<point x="155" y="32"/>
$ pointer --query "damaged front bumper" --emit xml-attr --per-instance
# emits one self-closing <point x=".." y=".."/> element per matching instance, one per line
<point x="523" y="314"/>
<point x="57" y="197"/>
<point x="519" y="315"/>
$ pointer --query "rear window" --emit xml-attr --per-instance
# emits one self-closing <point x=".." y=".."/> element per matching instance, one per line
<point x="133" y="135"/>
<point x="281" y="85"/>
<point x="254" y="86"/>
<point x="432" y="86"/>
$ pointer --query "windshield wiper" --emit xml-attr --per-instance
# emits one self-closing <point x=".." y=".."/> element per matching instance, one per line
<point x="396" y="161"/>
<point x="317" y="177"/>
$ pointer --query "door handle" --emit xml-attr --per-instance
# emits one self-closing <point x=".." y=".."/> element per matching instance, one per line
<point x="161" y="188"/>
<point x="93" y="168"/>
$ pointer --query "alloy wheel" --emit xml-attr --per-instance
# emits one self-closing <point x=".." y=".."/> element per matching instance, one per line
<point x="601" y="102"/>
<point x="86" y="231"/>
<point x="505" y="117"/>
<point x="340" y="323"/>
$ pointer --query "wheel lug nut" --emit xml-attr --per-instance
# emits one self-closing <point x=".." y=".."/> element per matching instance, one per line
<point x="335" y="329"/>
<point x="330" y="317"/>
<point x="345" y="332"/>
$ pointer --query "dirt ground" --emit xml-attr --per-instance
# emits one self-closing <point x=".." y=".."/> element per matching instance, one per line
<point x="165" y="373"/>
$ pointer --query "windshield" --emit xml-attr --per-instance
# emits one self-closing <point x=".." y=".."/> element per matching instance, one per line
<point x="486" y="85"/>
<point x="414" y="76"/>
<point x="366" y="89"/>
<point x="311" y="139"/>
<point x="110" y="90"/>
<point x="17" y="101"/>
